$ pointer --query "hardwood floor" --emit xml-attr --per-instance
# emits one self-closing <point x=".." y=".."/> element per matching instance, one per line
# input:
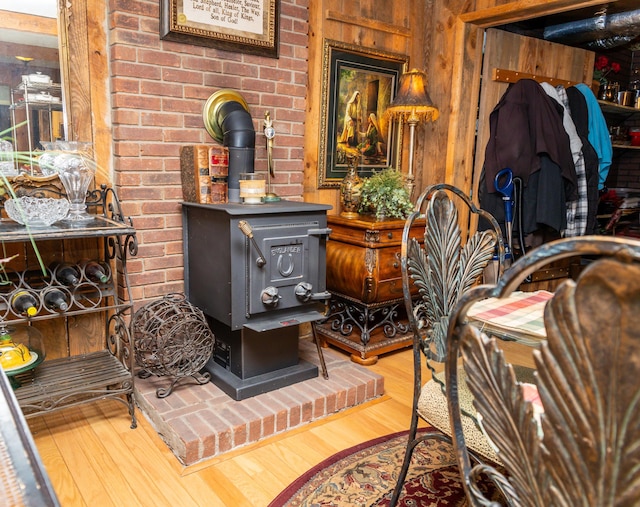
<point x="93" y="458"/>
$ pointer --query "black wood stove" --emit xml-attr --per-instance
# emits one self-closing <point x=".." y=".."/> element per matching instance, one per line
<point x="257" y="272"/>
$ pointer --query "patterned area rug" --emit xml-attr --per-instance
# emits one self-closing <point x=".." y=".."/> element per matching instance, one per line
<point x="365" y="475"/>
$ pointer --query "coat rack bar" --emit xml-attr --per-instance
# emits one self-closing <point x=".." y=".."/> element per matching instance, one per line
<point x="512" y="76"/>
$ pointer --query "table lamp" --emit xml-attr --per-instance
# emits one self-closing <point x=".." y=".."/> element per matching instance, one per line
<point x="412" y="104"/>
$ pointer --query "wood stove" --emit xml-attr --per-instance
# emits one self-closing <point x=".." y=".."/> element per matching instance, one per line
<point x="257" y="272"/>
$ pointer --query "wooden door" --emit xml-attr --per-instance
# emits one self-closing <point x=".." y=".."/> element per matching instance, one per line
<point x="535" y="57"/>
<point x="505" y="50"/>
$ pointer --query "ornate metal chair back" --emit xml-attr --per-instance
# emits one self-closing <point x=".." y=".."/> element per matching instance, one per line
<point x="583" y="449"/>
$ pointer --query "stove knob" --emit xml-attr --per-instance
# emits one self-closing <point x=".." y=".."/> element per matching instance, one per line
<point x="303" y="291"/>
<point x="270" y="297"/>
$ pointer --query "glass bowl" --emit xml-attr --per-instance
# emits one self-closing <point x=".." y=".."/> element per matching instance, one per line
<point x="36" y="211"/>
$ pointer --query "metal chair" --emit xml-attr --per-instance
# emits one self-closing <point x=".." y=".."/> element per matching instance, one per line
<point x="436" y="271"/>
<point x="584" y="448"/>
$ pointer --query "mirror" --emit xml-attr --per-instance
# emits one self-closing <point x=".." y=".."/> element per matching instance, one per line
<point x="30" y="79"/>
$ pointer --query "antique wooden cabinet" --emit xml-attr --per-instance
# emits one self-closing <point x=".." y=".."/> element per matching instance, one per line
<point x="366" y="311"/>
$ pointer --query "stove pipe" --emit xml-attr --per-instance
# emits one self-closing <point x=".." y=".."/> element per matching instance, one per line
<point x="239" y="136"/>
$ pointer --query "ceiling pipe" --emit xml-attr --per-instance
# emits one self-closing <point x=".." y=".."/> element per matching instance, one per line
<point x="603" y="31"/>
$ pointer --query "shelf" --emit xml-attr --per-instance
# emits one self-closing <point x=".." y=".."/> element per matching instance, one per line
<point x="619" y="146"/>
<point x="37" y="104"/>
<point x="99" y="226"/>
<point x="69" y="381"/>
<point x="613" y="110"/>
<point x="38" y="87"/>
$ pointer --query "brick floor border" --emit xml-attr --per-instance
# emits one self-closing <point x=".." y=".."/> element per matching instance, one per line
<point x="200" y="421"/>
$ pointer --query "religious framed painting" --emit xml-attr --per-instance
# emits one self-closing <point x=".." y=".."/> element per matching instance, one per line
<point x="247" y="26"/>
<point x="357" y="87"/>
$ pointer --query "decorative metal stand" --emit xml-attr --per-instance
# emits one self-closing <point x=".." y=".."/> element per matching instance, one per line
<point x="345" y="313"/>
<point x="172" y="338"/>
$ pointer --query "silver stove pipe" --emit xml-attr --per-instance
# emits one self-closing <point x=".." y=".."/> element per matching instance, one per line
<point x="603" y="31"/>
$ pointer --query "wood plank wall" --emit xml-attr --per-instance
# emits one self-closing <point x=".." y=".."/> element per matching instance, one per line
<point x="393" y="27"/>
<point x="445" y="41"/>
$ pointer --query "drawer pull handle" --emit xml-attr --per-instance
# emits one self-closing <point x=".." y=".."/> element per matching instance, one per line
<point x="396" y="264"/>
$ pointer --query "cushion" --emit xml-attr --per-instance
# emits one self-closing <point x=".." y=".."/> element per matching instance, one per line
<point x="433" y="408"/>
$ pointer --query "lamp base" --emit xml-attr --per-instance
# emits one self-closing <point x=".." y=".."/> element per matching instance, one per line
<point x="271" y="197"/>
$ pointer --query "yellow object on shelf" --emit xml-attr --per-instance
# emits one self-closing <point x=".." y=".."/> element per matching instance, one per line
<point x="13" y="355"/>
<point x="21" y="348"/>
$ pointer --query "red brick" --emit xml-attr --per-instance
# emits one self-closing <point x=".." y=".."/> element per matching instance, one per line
<point x="148" y="40"/>
<point x="160" y="88"/>
<point x="124" y="53"/>
<point x="121" y="20"/>
<point x="181" y="76"/>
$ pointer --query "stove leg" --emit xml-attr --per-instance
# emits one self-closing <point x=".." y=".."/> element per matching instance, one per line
<point x="323" y="365"/>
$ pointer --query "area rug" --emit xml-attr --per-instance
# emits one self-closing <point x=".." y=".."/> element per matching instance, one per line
<point x="366" y="474"/>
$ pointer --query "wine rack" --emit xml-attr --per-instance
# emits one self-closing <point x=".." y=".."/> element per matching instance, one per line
<point x="83" y="296"/>
<point x="83" y="377"/>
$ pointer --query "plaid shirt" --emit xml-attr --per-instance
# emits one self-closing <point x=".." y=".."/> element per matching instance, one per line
<point x="578" y="210"/>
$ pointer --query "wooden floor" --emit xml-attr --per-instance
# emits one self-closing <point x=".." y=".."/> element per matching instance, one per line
<point x="94" y="459"/>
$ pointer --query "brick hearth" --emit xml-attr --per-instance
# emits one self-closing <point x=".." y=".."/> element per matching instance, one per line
<point x="200" y="421"/>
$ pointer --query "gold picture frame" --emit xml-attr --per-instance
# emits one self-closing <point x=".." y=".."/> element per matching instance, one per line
<point x="250" y="26"/>
<point x="348" y="71"/>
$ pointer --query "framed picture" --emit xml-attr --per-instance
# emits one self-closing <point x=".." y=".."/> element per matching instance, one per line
<point x="248" y="26"/>
<point x="358" y="85"/>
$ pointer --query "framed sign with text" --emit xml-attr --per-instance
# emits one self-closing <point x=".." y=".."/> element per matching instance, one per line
<point x="246" y="26"/>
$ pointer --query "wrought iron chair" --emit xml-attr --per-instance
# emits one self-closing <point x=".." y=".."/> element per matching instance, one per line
<point x="435" y="273"/>
<point x="584" y="448"/>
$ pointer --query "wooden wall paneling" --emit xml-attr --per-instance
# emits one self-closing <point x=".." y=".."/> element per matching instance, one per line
<point x="488" y="13"/>
<point x="86" y="331"/>
<point x="379" y="25"/>
<point x="101" y="132"/>
<point x="311" y="192"/>
<point x="74" y="66"/>
<point x="462" y="124"/>
<point x="84" y="69"/>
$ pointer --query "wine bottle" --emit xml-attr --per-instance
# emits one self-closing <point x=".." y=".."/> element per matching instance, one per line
<point x="95" y="272"/>
<point x="67" y="274"/>
<point x="55" y="299"/>
<point x="24" y="303"/>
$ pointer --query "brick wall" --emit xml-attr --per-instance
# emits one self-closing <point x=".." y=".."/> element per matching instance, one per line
<point x="158" y="89"/>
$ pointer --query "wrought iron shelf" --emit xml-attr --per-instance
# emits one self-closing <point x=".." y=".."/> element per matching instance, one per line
<point x="59" y="383"/>
<point x="97" y="227"/>
<point x="71" y="381"/>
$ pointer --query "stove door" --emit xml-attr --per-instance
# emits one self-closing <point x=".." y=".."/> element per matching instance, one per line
<point x="289" y="279"/>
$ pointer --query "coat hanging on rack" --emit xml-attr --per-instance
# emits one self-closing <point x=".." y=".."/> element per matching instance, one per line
<point x="528" y="136"/>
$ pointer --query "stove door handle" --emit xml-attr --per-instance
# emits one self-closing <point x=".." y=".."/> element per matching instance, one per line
<point x="247" y="230"/>
<point x="319" y="232"/>
<point x="304" y="292"/>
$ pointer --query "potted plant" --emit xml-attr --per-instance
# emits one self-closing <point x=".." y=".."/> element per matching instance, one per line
<point x="385" y="195"/>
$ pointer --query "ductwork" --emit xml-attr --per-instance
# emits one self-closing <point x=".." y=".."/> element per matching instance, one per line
<point x="601" y="32"/>
<point x="227" y="119"/>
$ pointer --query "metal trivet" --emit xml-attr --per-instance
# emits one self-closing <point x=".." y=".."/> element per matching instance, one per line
<point x="172" y="338"/>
